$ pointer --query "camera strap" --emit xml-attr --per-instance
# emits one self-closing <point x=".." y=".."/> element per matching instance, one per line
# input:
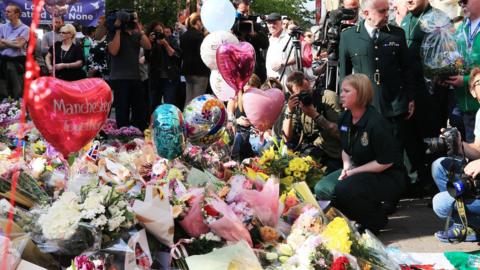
<point x="463" y="219"/>
<point x="460" y="209"/>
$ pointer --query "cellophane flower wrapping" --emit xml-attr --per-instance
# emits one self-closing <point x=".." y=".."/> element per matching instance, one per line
<point x="265" y="203"/>
<point x="228" y="226"/>
<point x="192" y="222"/>
<point x="11" y="248"/>
<point x="439" y="50"/>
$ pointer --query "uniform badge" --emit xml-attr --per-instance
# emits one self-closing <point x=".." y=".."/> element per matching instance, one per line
<point x="344" y="128"/>
<point x="364" y="139"/>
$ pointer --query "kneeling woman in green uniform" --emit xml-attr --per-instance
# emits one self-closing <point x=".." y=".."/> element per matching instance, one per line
<point x="372" y="161"/>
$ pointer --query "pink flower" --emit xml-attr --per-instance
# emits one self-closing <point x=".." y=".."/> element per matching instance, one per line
<point x="83" y="263"/>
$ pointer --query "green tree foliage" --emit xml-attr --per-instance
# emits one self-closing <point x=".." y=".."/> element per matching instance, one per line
<point x="295" y="9"/>
<point x="149" y="10"/>
<point x="166" y="10"/>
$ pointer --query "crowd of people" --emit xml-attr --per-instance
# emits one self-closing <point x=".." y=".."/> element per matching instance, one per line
<point x="389" y="107"/>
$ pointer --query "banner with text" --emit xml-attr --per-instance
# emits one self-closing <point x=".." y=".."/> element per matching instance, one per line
<point x="85" y="12"/>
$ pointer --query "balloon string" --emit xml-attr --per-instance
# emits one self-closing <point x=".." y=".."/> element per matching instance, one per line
<point x="32" y="71"/>
<point x="54" y="39"/>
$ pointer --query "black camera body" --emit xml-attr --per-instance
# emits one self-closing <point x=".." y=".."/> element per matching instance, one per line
<point x="447" y="143"/>
<point x="464" y="187"/>
<point x="158" y="35"/>
<point x="305" y="98"/>
<point x="126" y="16"/>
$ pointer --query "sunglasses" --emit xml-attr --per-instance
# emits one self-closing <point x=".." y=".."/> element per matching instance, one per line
<point x="64" y="33"/>
<point x="462" y="3"/>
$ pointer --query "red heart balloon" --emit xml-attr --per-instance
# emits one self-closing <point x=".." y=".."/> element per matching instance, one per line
<point x="69" y="114"/>
<point x="236" y="63"/>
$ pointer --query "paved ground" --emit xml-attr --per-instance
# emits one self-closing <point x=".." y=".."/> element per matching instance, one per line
<point x="412" y="227"/>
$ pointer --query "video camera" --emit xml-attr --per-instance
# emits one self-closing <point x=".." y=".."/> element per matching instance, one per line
<point x="330" y="33"/>
<point x="126" y="16"/>
<point x="296" y="32"/>
<point x="246" y="24"/>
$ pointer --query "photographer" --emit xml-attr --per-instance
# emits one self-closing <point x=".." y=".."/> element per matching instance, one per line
<point x="443" y="202"/>
<point x="247" y="29"/>
<point x="309" y="121"/>
<point x="124" y="48"/>
<point x="164" y="60"/>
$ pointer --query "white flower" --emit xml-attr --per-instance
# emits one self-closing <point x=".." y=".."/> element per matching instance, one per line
<point x="115" y="210"/>
<point x="115" y="222"/>
<point x="92" y="206"/>
<point x="100" y="221"/>
<point x="122" y="204"/>
<point x="38" y="166"/>
<point x="62" y="218"/>
<point x="211" y="237"/>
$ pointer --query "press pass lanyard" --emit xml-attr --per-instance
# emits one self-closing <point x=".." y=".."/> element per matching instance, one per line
<point x="471" y="37"/>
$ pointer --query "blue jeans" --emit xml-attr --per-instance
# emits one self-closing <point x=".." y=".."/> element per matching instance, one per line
<point x="443" y="202"/>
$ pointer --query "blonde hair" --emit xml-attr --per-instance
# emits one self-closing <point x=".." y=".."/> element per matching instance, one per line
<point x="363" y="85"/>
<point x="192" y="19"/>
<point x="475" y="72"/>
<point x="69" y="28"/>
<point x="255" y="82"/>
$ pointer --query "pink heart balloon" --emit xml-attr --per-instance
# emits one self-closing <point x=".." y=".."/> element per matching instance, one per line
<point x="69" y="114"/>
<point x="263" y="107"/>
<point x="236" y="63"/>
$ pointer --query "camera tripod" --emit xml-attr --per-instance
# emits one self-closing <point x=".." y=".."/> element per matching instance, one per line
<point x="297" y="46"/>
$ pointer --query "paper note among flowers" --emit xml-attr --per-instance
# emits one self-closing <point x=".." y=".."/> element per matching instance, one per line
<point x="155" y="212"/>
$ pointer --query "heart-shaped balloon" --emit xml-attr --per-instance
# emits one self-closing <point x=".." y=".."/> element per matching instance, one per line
<point x="220" y="88"/>
<point x="236" y="63"/>
<point x="69" y="114"/>
<point x="263" y="107"/>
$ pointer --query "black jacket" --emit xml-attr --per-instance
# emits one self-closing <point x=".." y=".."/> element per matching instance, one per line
<point x="161" y="62"/>
<point x="192" y="64"/>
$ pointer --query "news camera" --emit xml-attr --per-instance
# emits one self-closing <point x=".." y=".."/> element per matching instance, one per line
<point x="126" y="16"/>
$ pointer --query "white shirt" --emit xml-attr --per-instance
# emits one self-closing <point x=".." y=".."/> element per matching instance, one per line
<point x="473" y="25"/>
<point x="369" y="29"/>
<point x="276" y="55"/>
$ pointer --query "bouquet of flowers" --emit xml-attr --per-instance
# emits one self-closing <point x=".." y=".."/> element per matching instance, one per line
<point x="72" y="224"/>
<point x="290" y="167"/>
<point x="107" y="210"/>
<point x="440" y="54"/>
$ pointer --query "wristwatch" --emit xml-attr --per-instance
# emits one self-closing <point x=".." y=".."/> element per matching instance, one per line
<point x="288" y="115"/>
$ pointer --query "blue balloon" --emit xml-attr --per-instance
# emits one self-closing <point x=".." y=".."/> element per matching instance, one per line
<point x="168" y="131"/>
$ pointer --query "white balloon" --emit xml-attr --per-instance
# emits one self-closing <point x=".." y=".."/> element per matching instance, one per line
<point x="208" y="49"/>
<point x="218" y="15"/>
<point x="220" y="88"/>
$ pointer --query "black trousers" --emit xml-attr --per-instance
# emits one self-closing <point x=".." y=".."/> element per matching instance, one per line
<point x="130" y="103"/>
<point x="359" y="197"/>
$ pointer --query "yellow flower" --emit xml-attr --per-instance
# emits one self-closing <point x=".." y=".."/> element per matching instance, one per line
<point x="297" y="174"/>
<point x="287" y="180"/>
<point x="337" y="234"/>
<point x="288" y="171"/>
<point x="303" y="177"/>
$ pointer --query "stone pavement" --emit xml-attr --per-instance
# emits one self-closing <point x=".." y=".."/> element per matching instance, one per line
<point x="412" y="227"/>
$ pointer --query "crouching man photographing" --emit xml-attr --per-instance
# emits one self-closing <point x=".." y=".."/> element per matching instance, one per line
<point x="309" y="122"/>
<point x="459" y="184"/>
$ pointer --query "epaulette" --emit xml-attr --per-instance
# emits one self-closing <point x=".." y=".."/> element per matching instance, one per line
<point x="348" y="27"/>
